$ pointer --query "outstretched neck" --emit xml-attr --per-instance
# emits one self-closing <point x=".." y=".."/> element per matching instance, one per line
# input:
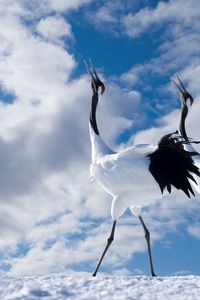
<point x="188" y="145"/>
<point x="93" y="121"/>
<point x="99" y="147"/>
<point x="182" y="130"/>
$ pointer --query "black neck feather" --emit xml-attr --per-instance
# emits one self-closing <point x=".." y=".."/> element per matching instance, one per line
<point x="184" y="113"/>
<point x="93" y="121"/>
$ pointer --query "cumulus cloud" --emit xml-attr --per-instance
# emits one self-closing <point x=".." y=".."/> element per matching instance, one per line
<point x="38" y="8"/>
<point x="108" y="15"/>
<point x="177" y="36"/>
<point x="146" y="18"/>
<point x="54" y="27"/>
<point x="194" y="230"/>
<point x="62" y="5"/>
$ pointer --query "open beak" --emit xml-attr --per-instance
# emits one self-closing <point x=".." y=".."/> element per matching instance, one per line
<point x="94" y="77"/>
<point x="184" y="93"/>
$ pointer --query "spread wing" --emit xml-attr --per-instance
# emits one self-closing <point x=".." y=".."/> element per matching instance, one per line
<point x="171" y="165"/>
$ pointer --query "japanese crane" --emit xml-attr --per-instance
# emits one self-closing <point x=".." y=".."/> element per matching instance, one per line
<point x="125" y="175"/>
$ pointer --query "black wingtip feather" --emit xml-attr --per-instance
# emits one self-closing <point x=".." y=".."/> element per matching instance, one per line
<point x="172" y="165"/>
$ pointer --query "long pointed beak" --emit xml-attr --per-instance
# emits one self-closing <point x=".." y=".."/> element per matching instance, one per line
<point x="93" y="68"/>
<point x="183" y="91"/>
<point x="94" y="77"/>
<point x="90" y="74"/>
<point x="183" y="88"/>
<point x="103" y="88"/>
<point x="177" y="85"/>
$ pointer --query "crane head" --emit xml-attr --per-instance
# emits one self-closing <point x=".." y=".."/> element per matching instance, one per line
<point x="184" y="95"/>
<point x="96" y="83"/>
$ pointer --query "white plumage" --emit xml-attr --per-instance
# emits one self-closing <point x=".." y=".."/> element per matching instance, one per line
<point x="124" y="175"/>
<point x="196" y="159"/>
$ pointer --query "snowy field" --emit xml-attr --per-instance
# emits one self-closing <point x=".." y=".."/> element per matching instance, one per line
<point x="60" y="287"/>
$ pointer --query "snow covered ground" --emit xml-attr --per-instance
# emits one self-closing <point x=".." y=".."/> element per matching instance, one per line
<point x="60" y="287"/>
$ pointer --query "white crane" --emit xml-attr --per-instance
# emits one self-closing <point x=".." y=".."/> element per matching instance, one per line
<point x="126" y="174"/>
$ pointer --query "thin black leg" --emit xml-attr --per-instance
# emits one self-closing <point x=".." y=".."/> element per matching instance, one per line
<point x="147" y="237"/>
<point x="109" y="242"/>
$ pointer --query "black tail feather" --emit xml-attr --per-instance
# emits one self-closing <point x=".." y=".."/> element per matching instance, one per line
<point x="172" y="165"/>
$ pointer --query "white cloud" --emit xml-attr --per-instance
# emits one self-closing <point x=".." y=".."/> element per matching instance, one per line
<point x="13" y="7"/>
<point x="63" y="5"/>
<point x="146" y="18"/>
<point x="194" y="230"/>
<point x="177" y="39"/>
<point x="39" y="8"/>
<point x="54" y="27"/>
<point x="108" y="15"/>
<point x="28" y="80"/>
<point x="42" y="118"/>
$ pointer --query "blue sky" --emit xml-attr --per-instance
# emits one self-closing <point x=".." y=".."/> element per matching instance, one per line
<point x="53" y="219"/>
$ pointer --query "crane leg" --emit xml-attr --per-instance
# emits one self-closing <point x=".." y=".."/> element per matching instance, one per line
<point x="147" y="237"/>
<point x="109" y="242"/>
